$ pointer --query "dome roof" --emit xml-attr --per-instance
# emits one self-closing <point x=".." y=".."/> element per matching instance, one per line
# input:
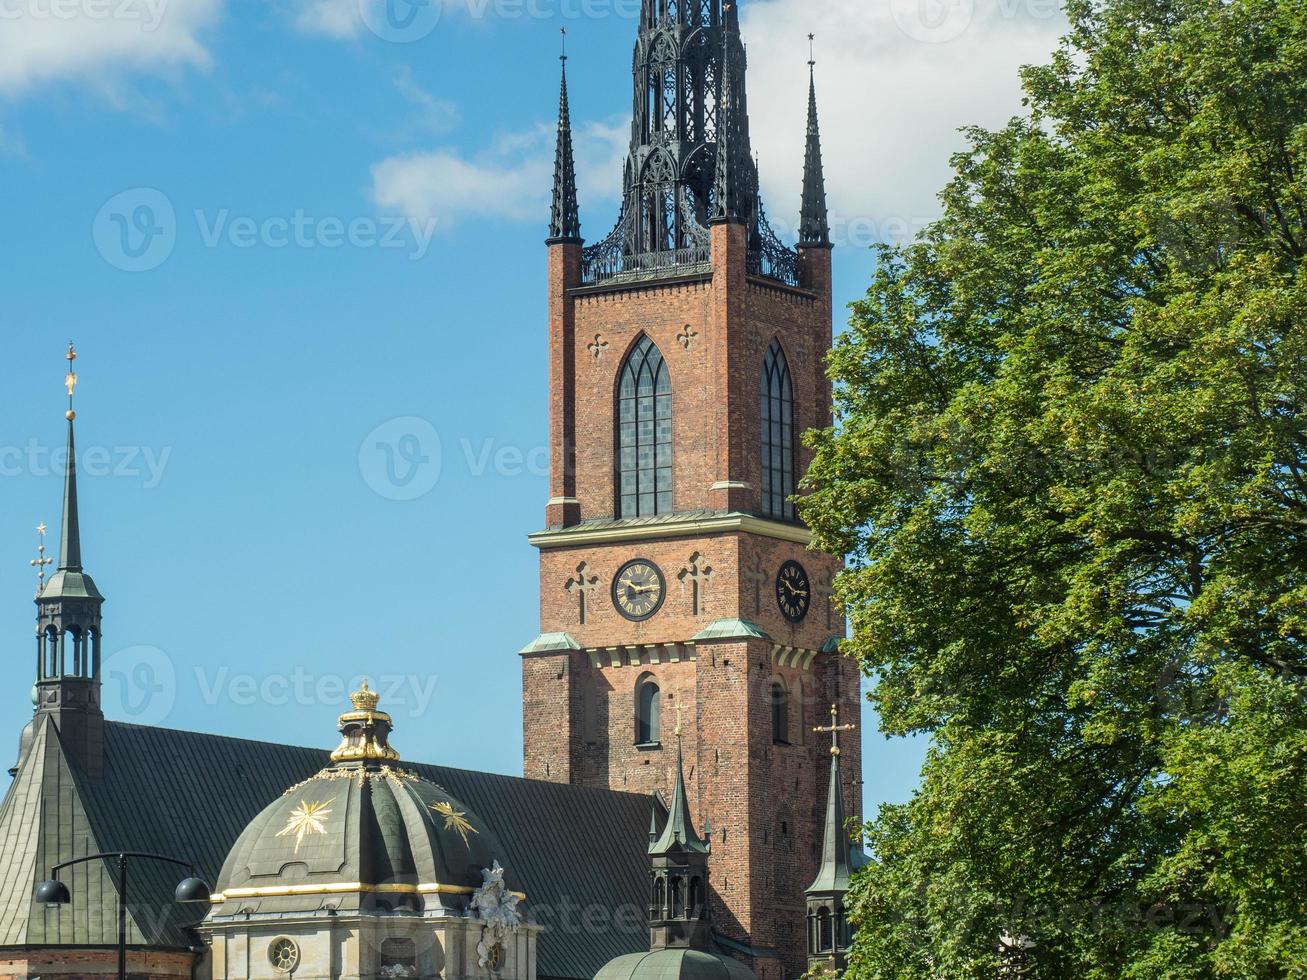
<point x="675" y="964"/>
<point x="362" y="835"/>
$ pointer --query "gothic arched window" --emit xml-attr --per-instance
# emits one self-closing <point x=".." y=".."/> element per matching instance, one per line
<point x="648" y="713"/>
<point x="777" y="435"/>
<point x="644" y="433"/>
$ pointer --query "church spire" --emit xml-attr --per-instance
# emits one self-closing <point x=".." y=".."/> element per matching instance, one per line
<point x="814" y="221"/>
<point x="565" y="220"/>
<point x="70" y="547"/>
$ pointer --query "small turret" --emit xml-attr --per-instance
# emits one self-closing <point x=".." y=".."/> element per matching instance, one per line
<point x="68" y="631"/>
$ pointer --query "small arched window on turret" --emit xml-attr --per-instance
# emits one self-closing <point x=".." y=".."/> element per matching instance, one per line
<point x="777" y="435"/>
<point x="644" y="433"/>
<point x="648" y="712"/>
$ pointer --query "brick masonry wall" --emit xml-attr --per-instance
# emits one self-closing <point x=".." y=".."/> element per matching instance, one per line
<point x="83" y="964"/>
<point x="765" y="801"/>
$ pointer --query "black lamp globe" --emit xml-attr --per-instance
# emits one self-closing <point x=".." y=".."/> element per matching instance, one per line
<point x="53" y="893"/>
<point x="192" y="891"/>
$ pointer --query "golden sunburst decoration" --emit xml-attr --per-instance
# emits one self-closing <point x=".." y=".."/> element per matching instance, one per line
<point x="455" y="820"/>
<point x="306" y="819"/>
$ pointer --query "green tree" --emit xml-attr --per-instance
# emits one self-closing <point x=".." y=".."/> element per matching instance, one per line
<point x="1071" y="474"/>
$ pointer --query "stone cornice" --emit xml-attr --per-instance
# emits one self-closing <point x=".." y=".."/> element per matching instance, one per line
<point x="672" y="526"/>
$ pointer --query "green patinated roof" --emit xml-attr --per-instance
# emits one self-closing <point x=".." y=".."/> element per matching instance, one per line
<point x="839" y="857"/>
<point x="731" y="629"/>
<point x="190" y="796"/>
<point x="675" y="964"/>
<point x="551" y="643"/>
<point x="679" y="835"/>
<point x="833" y="644"/>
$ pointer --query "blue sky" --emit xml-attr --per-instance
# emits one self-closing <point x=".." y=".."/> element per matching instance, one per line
<point x="342" y="248"/>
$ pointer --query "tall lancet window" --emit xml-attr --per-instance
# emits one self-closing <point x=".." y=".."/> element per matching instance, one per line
<point x="777" y="435"/>
<point x="644" y="433"/>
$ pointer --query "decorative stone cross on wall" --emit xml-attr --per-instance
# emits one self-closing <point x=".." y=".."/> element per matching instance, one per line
<point x="598" y="346"/>
<point x="581" y="585"/>
<point x="698" y="575"/>
<point x="757" y="575"/>
<point x="824" y="590"/>
<point x="686" y="337"/>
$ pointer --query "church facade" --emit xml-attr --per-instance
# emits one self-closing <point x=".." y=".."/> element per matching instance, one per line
<point x="687" y="354"/>
<point x="674" y="703"/>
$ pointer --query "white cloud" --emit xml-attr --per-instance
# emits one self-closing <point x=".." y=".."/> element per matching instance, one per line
<point x="896" y="79"/>
<point x="332" y="18"/>
<point x="97" y="41"/>
<point x="511" y="179"/>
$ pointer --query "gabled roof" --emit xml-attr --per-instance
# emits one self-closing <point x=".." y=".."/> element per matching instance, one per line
<point x="190" y="795"/>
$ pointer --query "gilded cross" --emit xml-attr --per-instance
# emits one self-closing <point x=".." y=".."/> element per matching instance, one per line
<point x="834" y="729"/>
<point x="597" y="347"/>
<point x="698" y="575"/>
<point x="686" y="336"/>
<point x="580" y="585"/>
<point x="40" y="562"/>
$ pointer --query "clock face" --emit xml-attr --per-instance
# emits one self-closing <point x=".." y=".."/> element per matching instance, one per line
<point x="793" y="591"/>
<point x="638" y="590"/>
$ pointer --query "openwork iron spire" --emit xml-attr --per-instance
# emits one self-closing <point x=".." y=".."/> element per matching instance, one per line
<point x="814" y="221"/>
<point x="565" y="220"/>
<point x="691" y="162"/>
<point x="735" y="182"/>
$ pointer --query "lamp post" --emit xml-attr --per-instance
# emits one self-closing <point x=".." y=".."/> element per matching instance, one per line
<point x="190" y="890"/>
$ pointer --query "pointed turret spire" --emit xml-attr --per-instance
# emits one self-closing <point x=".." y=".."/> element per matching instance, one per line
<point x="814" y="221"/>
<point x="828" y="932"/>
<point x="679" y="833"/>
<point x="565" y="220"/>
<point x="70" y="547"/>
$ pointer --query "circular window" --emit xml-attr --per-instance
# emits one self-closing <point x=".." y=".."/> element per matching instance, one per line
<point x="284" y="955"/>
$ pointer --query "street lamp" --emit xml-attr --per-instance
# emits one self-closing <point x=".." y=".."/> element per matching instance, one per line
<point x="190" y="890"/>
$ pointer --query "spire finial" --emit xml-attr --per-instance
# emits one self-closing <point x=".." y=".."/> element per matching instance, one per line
<point x="812" y="51"/>
<point x="70" y="546"/>
<point x="41" y="561"/>
<point x="680" y="730"/>
<point x="70" y="379"/>
<point x="563" y="33"/>
<point x="834" y="729"/>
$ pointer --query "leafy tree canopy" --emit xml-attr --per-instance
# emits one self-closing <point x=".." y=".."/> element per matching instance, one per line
<point x="1071" y="471"/>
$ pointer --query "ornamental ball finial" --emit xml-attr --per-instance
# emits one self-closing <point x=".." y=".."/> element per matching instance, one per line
<point x="70" y="415"/>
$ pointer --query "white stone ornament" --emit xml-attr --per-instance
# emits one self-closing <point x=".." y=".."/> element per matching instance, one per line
<point x="497" y="909"/>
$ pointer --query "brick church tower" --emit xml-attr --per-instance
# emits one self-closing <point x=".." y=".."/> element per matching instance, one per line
<point x="687" y="356"/>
